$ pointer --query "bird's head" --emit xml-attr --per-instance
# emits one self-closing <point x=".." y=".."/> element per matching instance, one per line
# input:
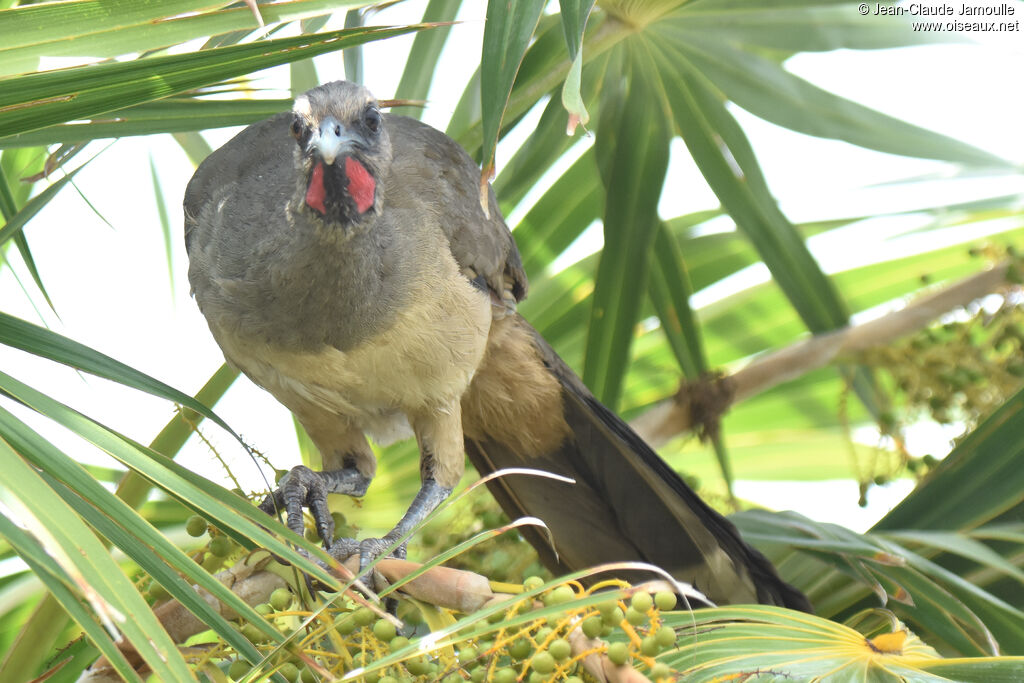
<point x="343" y="151"/>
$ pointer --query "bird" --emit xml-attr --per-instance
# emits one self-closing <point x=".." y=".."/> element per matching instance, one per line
<point x="345" y="262"/>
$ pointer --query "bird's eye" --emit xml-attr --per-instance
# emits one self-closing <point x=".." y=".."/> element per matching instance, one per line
<point x="372" y="119"/>
<point x="296" y="127"/>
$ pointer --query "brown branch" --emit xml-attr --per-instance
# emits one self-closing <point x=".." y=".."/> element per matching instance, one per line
<point x="674" y="416"/>
<point x="453" y="589"/>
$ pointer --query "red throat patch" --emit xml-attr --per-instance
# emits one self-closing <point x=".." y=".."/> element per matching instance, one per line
<point x="315" y="192"/>
<point x="361" y="186"/>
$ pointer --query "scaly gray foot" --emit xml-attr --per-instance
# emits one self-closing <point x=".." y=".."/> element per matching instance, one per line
<point x="302" y="487"/>
<point x="368" y="549"/>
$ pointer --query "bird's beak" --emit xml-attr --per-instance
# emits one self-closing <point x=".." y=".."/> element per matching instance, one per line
<point x="333" y="139"/>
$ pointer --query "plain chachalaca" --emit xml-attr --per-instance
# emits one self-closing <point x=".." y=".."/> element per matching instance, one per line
<point x="344" y="263"/>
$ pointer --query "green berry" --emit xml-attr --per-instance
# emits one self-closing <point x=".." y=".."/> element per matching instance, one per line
<point x="606" y="630"/>
<point x="543" y="663"/>
<point x="238" y="668"/>
<point x="452" y="678"/>
<point x="635" y="618"/>
<point x="496" y="617"/>
<point x="660" y="670"/>
<point x="618" y="653"/>
<point x="345" y="626"/>
<point x="559" y="595"/>
<point x="665" y="600"/>
<point x="157" y="593"/>
<point x="307" y="675"/>
<point x="384" y="630"/>
<point x="542" y="634"/>
<point x="531" y="582"/>
<point x="467" y="656"/>
<point x="649" y="646"/>
<point x="371" y="678"/>
<point x="398" y="642"/>
<point x="478" y="674"/>
<point x="195" y="526"/>
<point x="591" y="626"/>
<point x="666" y="636"/>
<point x="573" y="679"/>
<point x="253" y="633"/>
<point x="520" y="649"/>
<point x="410" y="615"/>
<point x="613" y="618"/>
<point x="388" y="679"/>
<point x="281" y="599"/>
<point x="364" y="616"/>
<point x="641" y="602"/>
<point x="560" y="649"/>
<point x="264" y="609"/>
<point x="212" y="563"/>
<point x="505" y="675"/>
<point x="418" y="666"/>
<point x="289" y="671"/>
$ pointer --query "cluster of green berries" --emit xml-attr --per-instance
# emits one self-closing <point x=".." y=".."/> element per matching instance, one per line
<point x="212" y="557"/>
<point x="654" y="637"/>
<point x="534" y="651"/>
<point x="292" y="669"/>
<point x="962" y="368"/>
<point x="956" y="371"/>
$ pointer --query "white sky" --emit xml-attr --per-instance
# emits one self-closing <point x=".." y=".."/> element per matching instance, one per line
<point x="111" y="287"/>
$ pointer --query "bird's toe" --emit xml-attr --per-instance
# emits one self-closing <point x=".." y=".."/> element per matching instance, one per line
<point x="302" y="487"/>
<point x="343" y="548"/>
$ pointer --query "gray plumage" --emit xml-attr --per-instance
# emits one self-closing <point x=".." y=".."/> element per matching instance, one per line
<point x="344" y="263"/>
<point x="312" y="266"/>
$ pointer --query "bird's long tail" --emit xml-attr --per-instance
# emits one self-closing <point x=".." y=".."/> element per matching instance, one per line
<point x="526" y="408"/>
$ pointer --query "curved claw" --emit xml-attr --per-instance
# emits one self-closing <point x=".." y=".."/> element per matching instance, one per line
<point x="300" y="487"/>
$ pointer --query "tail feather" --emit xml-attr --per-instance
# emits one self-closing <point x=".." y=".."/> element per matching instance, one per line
<point x="627" y="503"/>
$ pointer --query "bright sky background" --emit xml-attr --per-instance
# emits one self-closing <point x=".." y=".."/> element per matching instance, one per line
<point x="112" y="290"/>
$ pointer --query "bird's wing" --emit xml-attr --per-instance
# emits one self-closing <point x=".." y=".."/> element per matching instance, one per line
<point x="427" y="163"/>
<point x="264" y="151"/>
<point x="627" y="504"/>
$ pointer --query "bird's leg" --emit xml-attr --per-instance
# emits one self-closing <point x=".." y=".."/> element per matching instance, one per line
<point x="348" y="470"/>
<point x="439" y="434"/>
<point x="430" y="495"/>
